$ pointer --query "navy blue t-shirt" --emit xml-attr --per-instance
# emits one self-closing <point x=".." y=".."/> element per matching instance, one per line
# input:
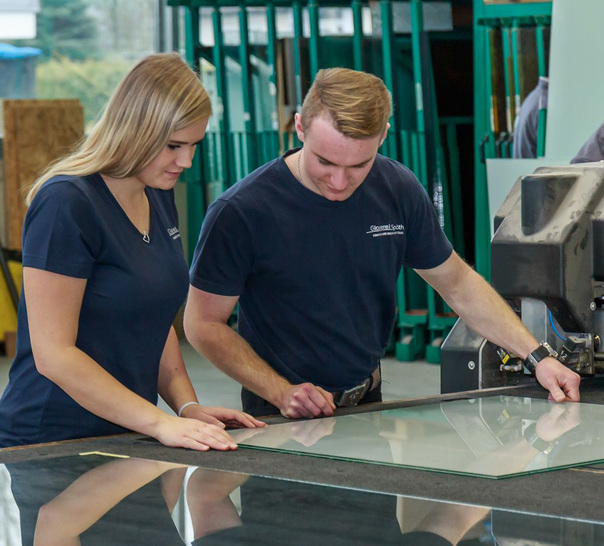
<point x="134" y="289"/>
<point x="317" y="278"/>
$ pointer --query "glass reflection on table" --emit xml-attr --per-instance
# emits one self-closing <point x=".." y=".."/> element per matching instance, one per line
<point x="101" y="500"/>
<point x="492" y="437"/>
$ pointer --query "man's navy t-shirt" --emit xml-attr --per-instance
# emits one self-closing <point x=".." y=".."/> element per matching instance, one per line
<point x="75" y="227"/>
<point x="317" y="278"/>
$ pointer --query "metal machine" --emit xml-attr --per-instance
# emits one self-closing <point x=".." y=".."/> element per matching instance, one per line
<point x="547" y="261"/>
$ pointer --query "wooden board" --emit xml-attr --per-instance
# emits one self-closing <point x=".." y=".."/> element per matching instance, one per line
<point x="36" y="132"/>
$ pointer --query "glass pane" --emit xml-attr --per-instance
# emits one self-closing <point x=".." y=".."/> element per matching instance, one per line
<point x="103" y="500"/>
<point x="490" y="437"/>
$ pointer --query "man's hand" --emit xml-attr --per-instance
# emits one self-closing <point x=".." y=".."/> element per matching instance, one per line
<point x="562" y="383"/>
<point x="306" y="401"/>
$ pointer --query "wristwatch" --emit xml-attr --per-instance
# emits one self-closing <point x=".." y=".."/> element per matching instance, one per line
<point x="544" y="349"/>
<point x="535" y="441"/>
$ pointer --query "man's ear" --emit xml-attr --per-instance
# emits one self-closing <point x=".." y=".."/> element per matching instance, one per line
<point x="385" y="134"/>
<point x="298" y="127"/>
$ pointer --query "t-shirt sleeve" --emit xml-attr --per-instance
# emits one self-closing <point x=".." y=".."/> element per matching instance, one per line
<point x="427" y="245"/>
<point x="223" y="256"/>
<point x="593" y="149"/>
<point x="60" y="233"/>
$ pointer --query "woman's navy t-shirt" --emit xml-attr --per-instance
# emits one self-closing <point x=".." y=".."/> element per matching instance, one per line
<point x="75" y="227"/>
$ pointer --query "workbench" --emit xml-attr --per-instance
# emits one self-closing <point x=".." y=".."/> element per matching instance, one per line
<point x="562" y="506"/>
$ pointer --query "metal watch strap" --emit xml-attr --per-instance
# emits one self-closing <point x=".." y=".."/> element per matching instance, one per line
<point x="544" y="350"/>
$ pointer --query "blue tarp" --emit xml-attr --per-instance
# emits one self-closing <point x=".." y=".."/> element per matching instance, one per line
<point x="8" y="51"/>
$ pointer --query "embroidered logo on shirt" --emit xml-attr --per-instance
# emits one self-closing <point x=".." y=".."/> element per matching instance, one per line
<point x="173" y="232"/>
<point x="386" y="229"/>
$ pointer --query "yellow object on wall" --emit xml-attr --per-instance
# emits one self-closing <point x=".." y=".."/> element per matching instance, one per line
<point x="8" y="315"/>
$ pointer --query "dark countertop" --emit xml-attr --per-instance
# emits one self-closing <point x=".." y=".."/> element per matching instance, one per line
<point x="569" y="493"/>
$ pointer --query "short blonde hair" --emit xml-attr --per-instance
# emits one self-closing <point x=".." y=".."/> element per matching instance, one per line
<point x="158" y="96"/>
<point x="358" y="103"/>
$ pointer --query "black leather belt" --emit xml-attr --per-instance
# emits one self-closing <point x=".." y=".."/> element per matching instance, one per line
<point x="351" y="397"/>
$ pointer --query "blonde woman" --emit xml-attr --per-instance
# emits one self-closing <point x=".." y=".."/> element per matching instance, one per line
<point x="104" y="275"/>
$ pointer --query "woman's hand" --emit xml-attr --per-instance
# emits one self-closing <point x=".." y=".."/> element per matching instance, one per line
<point x="193" y="434"/>
<point x="221" y="417"/>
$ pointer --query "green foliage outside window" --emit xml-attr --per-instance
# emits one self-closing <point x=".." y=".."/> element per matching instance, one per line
<point x="92" y="81"/>
<point x="87" y="46"/>
<point x="65" y="28"/>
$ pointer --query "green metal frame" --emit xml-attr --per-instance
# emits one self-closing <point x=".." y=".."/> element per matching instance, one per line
<point x="247" y="94"/>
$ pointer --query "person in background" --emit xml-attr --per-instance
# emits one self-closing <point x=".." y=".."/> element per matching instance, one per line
<point x="593" y="149"/>
<point x="310" y="246"/>
<point x="104" y="275"/>
<point x="526" y="125"/>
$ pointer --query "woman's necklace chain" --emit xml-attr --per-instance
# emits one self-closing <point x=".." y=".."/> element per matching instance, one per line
<point x="144" y="232"/>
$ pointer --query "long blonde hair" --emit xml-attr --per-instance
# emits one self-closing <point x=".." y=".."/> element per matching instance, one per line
<point x="358" y="103"/>
<point x="159" y="95"/>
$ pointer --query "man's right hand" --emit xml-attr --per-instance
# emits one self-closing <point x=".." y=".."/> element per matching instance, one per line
<point x="306" y="401"/>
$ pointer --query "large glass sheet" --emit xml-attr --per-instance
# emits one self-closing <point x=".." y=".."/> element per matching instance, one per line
<point x="491" y="437"/>
<point x="113" y="501"/>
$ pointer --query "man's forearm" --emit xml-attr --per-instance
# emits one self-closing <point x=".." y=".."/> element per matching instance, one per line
<point x="492" y="317"/>
<point x="487" y="313"/>
<point x="480" y="306"/>
<point x="229" y="352"/>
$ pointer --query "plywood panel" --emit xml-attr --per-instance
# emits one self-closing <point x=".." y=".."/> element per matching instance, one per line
<point x="2" y="207"/>
<point x="36" y="132"/>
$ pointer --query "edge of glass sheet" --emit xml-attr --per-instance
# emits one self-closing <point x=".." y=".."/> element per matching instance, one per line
<point x="421" y="468"/>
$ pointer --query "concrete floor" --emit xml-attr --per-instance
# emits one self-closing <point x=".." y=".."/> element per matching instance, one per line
<point x="400" y="379"/>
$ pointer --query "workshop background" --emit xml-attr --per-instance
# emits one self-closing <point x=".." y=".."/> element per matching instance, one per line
<point x="458" y="71"/>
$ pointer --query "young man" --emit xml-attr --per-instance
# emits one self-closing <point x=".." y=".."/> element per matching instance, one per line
<point x="310" y="245"/>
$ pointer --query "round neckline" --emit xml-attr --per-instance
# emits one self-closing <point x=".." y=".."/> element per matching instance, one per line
<point x="312" y="196"/>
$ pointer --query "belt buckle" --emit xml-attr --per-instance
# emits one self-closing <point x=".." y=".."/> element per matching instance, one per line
<point x="350" y="397"/>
